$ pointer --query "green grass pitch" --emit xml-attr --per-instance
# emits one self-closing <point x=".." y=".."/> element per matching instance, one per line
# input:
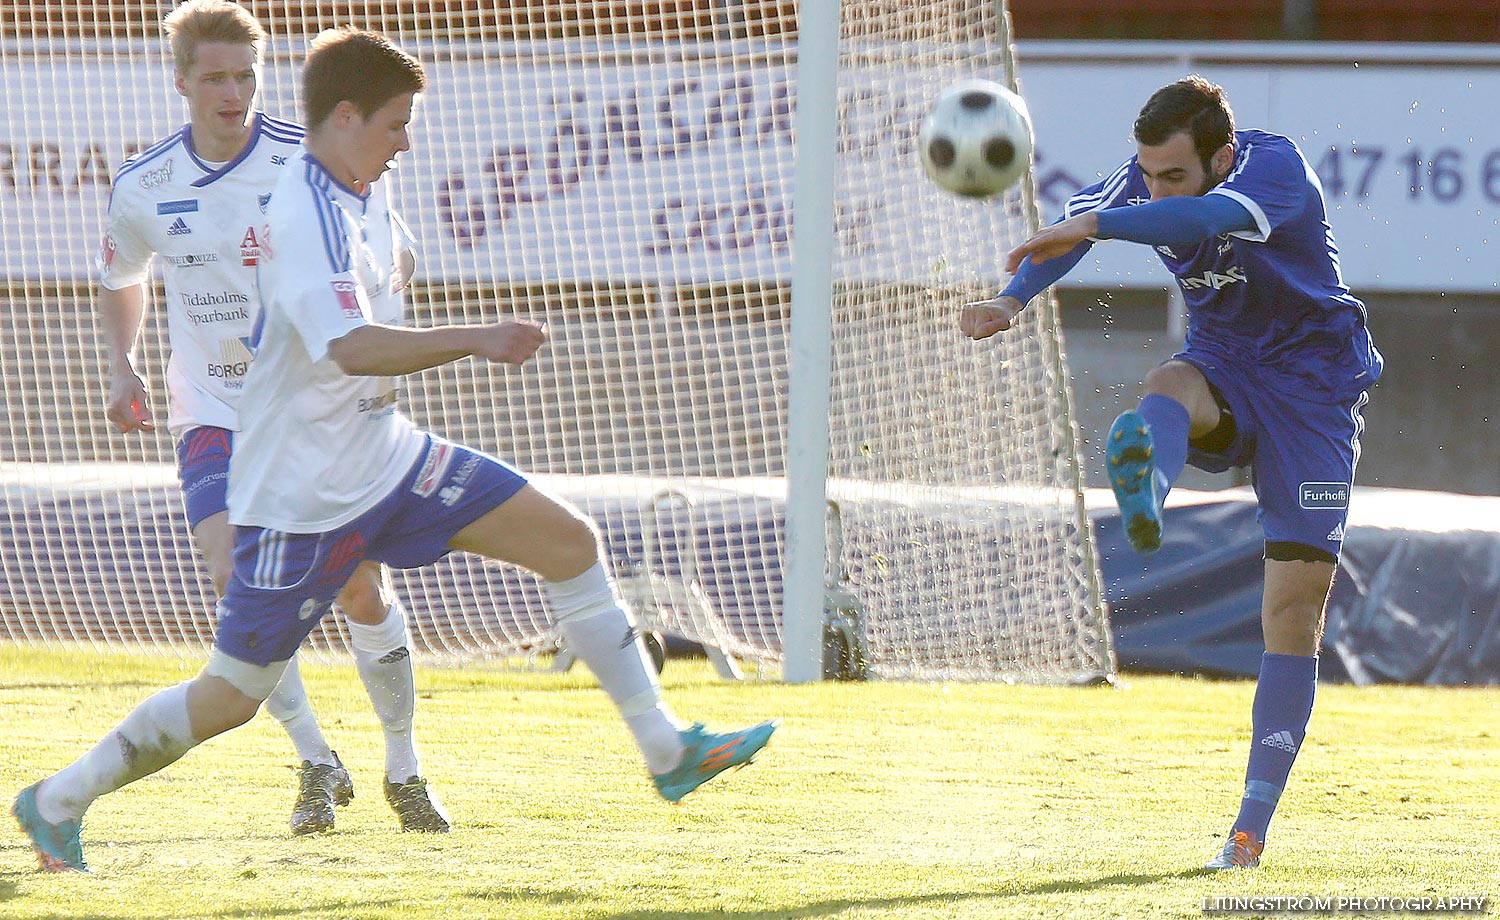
<point x="880" y="800"/>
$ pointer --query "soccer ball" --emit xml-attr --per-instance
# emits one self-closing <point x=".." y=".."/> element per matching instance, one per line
<point x="976" y="141"/>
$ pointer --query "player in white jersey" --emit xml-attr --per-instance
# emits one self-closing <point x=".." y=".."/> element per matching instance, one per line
<point x="195" y="201"/>
<point x="329" y="472"/>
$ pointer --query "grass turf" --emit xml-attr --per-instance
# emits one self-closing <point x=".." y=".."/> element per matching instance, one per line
<point x="881" y="800"/>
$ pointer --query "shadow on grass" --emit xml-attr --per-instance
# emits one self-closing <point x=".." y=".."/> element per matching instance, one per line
<point x="836" y="906"/>
<point x="536" y="898"/>
<point x="341" y="909"/>
<point x="11" y="888"/>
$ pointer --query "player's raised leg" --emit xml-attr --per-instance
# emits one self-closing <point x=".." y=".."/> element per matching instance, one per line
<point x="155" y="734"/>
<point x="281" y="586"/>
<point x="377" y="627"/>
<point x="1296" y="595"/>
<point x="1147" y="447"/>
<point x="554" y="540"/>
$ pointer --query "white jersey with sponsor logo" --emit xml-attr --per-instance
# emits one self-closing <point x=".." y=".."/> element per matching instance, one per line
<point x="203" y="224"/>
<point x="318" y="448"/>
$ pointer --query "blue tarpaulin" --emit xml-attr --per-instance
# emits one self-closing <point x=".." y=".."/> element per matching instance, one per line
<point x="1416" y="598"/>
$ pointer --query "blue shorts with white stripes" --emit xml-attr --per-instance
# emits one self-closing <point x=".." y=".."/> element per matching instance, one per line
<point x="283" y="583"/>
<point x="1301" y="449"/>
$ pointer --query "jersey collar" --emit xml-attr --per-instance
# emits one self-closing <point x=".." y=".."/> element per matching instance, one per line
<point x="214" y="175"/>
<point x="318" y="169"/>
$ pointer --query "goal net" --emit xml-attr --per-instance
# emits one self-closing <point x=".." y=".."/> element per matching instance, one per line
<point x="622" y="171"/>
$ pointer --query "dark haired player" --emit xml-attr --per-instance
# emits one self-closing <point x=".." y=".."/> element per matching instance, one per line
<point x="1274" y="375"/>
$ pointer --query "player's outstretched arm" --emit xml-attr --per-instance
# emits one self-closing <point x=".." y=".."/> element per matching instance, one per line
<point x="1184" y="220"/>
<point x="983" y="318"/>
<point x="121" y="313"/>
<point x="390" y="351"/>
<point x="1055" y="240"/>
<point x="1180" y="220"/>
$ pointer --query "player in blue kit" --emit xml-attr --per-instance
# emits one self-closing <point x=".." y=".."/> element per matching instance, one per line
<point x="1274" y="376"/>
<point x="327" y="473"/>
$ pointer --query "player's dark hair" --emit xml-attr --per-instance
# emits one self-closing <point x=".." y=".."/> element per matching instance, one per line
<point x="358" y="66"/>
<point x="1191" y="105"/>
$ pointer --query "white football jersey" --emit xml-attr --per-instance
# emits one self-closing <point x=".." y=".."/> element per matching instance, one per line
<point x="317" y="447"/>
<point x="203" y="225"/>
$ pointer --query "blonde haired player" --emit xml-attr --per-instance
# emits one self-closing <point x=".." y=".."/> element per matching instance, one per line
<point x="195" y="201"/>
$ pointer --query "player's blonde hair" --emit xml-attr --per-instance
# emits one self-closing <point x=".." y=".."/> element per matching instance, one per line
<point x="199" y="21"/>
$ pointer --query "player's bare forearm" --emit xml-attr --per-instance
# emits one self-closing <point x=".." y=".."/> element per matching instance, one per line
<point x="391" y="351"/>
<point x="121" y="313"/>
<point x="1055" y="240"/>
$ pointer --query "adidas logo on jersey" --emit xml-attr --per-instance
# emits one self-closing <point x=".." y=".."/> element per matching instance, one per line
<point x="179" y="228"/>
<point x="1336" y="534"/>
<point x="1282" y="740"/>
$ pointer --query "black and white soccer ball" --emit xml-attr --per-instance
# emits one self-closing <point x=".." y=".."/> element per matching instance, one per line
<point x="977" y="139"/>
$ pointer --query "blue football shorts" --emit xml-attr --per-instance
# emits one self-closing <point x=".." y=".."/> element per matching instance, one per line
<point x="203" y="469"/>
<point x="283" y="583"/>
<point x="1301" y="449"/>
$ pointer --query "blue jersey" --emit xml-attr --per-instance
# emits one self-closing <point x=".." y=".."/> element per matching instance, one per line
<point x="1272" y="297"/>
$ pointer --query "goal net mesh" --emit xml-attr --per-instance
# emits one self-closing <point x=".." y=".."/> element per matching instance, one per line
<point x="623" y="172"/>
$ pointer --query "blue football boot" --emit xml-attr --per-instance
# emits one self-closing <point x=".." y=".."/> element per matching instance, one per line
<point x="1130" y="460"/>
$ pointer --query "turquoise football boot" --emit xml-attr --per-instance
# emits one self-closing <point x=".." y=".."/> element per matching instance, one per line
<point x="706" y="755"/>
<point x="1130" y="460"/>
<point x="58" y="847"/>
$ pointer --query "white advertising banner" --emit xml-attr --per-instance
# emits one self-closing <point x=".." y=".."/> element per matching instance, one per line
<point x="680" y="170"/>
<point x="674" y="171"/>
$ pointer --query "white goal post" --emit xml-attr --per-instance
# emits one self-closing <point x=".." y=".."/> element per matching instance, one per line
<point x="727" y="313"/>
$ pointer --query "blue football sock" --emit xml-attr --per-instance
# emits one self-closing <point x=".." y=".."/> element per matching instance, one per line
<point x="1169" y="436"/>
<point x="1283" y="704"/>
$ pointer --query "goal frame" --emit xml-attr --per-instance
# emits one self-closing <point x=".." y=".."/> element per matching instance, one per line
<point x="807" y="586"/>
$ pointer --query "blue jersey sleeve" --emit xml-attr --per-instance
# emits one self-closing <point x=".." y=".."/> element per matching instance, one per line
<point x="1034" y="277"/>
<point x="1179" y="221"/>
<point x="1270" y="180"/>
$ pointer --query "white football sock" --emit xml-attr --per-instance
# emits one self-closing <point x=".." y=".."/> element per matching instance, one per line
<point x="154" y="735"/>
<point x="384" y="663"/>
<point x="290" y="707"/>
<point x="595" y="627"/>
